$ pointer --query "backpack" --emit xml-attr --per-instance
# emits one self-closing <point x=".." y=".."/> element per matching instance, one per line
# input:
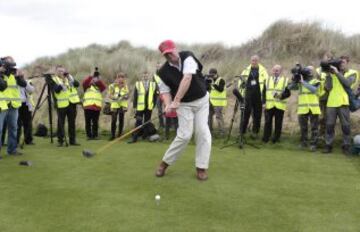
<point x="41" y="130"/>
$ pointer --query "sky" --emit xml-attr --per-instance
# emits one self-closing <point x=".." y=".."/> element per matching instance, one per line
<point x="35" y="28"/>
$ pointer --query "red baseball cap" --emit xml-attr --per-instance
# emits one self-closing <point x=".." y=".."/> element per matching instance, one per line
<point x="167" y="46"/>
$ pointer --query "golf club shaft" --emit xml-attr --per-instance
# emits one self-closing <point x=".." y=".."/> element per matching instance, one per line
<point x="101" y="149"/>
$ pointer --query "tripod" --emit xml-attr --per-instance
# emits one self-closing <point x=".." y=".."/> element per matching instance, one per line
<point x="240" y="103"/>
<point x="50" y="99"/>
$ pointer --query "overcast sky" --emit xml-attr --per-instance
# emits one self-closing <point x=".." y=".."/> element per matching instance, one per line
<point x="34" y="28"/>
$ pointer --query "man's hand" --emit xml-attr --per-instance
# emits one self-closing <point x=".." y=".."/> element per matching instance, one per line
<point x="334" y="69"/>
<point x="172" y="107"/>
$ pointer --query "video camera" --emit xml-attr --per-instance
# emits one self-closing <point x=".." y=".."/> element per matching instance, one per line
<point x="325" y="65"/>
<point x="96" y="72"/>
<point x="9" y="66"/>
<point x="299" y="71"/>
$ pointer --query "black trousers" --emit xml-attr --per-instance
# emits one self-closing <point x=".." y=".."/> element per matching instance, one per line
<point x="141" y="117"/>
<point x="253" y="106"/>
<point x="25" y="121"/>
<point x="68" y="112"/>
<point x="117" y="114"/>
<point x="278" y="115"/>
<point x="91" y="123"/>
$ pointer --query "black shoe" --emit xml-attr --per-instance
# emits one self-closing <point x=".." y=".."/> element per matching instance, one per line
<point x="74" y="144"/>
<point x="30" y="143"/>
<point x="60" y="144"/>
<point x="16" y="153"/>
<point x="346" y="150"/>
<point x="327" y="149"/>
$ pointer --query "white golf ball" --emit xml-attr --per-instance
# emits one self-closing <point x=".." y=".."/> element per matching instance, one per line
<point x="157" y="197"/>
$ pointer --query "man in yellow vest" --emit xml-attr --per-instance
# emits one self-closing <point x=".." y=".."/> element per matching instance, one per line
<point x="15" y="80"/>
<point x="145" y="95"/>
<point x="351" y="75"/>
<point x="337" y="106"/>
<point x="118" y="93"/>
<point x="64" y="88"/>
<point x="25" y="112"/>
<point x="3" y="100"/>
<point x="253" y="79"/>
<point x="217" y="100"/>
<point x="159" y="104"/>
<point x="308" y="106"/>
<point x="275" y="103"/>
<point x="93" y="86"/>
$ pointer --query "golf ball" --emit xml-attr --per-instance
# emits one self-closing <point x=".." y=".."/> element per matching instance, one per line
<point x="157" y="197"/>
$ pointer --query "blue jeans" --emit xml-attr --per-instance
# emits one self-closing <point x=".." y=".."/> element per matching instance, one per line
<point x="11" y="119"/>
<point x="2" y="119"/>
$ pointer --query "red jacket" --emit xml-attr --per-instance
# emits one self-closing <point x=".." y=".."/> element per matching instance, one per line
<point x="86" y="83"/>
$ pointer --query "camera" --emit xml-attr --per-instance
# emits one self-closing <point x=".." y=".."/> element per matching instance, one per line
<point x="299" y="71"/>
<point x="325" y="65"/>
<point x="96" y="72"/>
<point x="9" y="66"/>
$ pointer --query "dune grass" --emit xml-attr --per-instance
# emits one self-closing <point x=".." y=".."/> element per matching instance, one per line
<point x="275" y="188"/>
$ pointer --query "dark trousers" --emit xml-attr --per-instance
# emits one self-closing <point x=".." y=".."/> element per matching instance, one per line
<point x="68" y="112"/>
<point x="92" y="123"/>
<point x="170" y="122"/>
<point x="25" y="121"/>
<point x="253" y="106"/>
<point x="141" y="117"/>
<point x="117" y="113"/>
<point x="278" y="115"/>
<point x="343" y="113"/>
<point x="322" y="119"/>
<point x="314" y="125"/>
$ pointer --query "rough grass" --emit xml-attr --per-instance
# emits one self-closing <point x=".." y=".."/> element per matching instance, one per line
<point x="275" y="188"/>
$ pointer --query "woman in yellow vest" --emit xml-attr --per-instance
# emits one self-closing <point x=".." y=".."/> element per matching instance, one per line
<point x="92" y="103"/>
<point x="66" y="102"/>
<point x="118" y="93"/>
<point x="308" y="106"/>
<point x="276" y="93"/>
<point x="145" y="94"/>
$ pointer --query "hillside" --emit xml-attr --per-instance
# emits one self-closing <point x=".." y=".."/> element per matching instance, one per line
<point x="284" y="42"/>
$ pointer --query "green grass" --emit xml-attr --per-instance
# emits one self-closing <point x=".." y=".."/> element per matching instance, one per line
<point x="276" y="188"/>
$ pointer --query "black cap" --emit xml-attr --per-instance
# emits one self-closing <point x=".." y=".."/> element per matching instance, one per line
<point x="213" y="71"/>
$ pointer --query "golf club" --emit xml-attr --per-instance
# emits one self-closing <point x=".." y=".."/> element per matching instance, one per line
<point x="88" y="153"/>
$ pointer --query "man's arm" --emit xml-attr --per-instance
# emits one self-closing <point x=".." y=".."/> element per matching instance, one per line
<point x="183" y="88"/>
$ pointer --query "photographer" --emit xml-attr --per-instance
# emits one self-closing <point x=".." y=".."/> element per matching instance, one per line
<point x="118" y="93"/>
<point x="253" y="79"/>
<point x="93" y="87"/>
<point x="217" y="100"/>
<point x="350" y="74"/>
<point x="3" y="103"/>
<point x="15" y="80"/>
<point x="25" y="112"/>
<point x="275" y="103"/>
<point x="63" y="87"/>
<point x="337" y="104"/>
<point x="308" y="104"/>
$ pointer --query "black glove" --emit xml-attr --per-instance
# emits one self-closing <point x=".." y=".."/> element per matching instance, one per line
<point x="76" y="83"/>
<point x="20" y="81"/>
<point x="58" y="88"/>
<point x="3" y="84"/>
<point x="238" y="95"/>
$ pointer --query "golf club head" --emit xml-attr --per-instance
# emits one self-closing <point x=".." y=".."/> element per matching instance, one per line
<point x="87" y="153"/>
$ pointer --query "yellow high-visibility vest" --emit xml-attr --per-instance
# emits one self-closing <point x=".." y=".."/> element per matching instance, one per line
<point x="352" y="72"/>
<point x="322" y="76"/>
<point x="337" y="95"/>
<point x="92" y="96"/>
<point x="73" y="95"/>
<point x="62" y="98"/>
<point x="308" y="101"/>
<point x="218" y="98"/>
<point x="157" y="79"/>
<point x="115" y="92"/>
<point x="12" y="92"/>
<point x="271" y="88"/>
<point x="263" y="76"/>
<point x="139" y="85"/>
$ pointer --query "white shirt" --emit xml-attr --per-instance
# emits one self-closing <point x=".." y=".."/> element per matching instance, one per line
<point x="190" y="67"/>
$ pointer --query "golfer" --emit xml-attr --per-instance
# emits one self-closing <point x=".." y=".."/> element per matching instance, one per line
<point x="183" y="89"/>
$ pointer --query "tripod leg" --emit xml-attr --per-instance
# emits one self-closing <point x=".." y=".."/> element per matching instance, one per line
<point x="50" y="113"/>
